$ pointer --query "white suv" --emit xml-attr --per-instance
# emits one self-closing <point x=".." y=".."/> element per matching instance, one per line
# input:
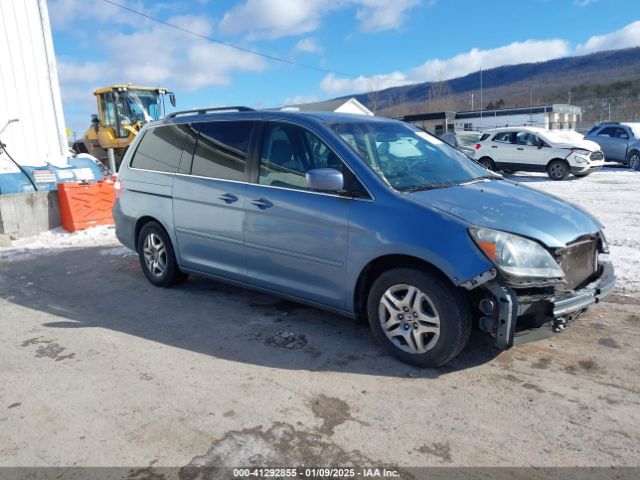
<point x="557" y="152"/>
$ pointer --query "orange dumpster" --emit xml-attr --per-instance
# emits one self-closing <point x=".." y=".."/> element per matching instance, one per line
<point x="84" y="205"/>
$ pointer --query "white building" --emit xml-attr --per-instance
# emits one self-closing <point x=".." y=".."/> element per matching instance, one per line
<point x="29" y="89"/>
<point x="550" y="117"/>
<point x="348" y="105"/>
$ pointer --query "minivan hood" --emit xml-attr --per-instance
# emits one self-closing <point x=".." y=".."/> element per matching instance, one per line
<point x="511" y="207"/>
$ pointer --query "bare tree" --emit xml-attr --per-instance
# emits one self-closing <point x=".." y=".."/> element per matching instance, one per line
<point x="374" y="94"/>
<point x="440" y="96"/>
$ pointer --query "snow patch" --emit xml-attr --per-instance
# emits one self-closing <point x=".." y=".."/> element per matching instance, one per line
<point x="24" y="248"/>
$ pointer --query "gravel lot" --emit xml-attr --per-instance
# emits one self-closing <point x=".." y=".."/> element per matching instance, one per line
<point x="100" y="368"/>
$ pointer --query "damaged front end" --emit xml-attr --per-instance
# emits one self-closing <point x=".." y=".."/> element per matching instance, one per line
<point x="517" y="310"/>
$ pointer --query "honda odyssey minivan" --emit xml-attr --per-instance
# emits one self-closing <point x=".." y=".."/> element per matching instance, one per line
<point x="363" y="216"/>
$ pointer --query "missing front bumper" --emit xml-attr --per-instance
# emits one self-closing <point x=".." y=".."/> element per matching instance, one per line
<point x="554" y="314"/>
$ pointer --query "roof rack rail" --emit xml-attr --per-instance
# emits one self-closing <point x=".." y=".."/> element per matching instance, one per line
<point x="202" y="111"/>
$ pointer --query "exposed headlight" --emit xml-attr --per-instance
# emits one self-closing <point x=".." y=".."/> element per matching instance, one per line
<point x="516" y="256"/>
<point x="579" y="151"/>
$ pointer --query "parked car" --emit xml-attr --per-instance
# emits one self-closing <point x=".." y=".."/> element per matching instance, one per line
<point x="363" y="216"/>
<point x="463" y="141"/>
<point x="620" y="142"/>
<point x="556" y="152"/>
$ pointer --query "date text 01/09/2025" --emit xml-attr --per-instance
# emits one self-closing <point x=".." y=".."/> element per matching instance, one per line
<point x="315" y="473"/>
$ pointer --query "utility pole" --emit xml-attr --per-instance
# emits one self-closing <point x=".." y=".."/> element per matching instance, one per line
<point x="569" y="97"/>
<point x="472" y="101"/>
<point x="531" y="105"/>
<point x="609" y="111"/>
<point x="481" y="105"/>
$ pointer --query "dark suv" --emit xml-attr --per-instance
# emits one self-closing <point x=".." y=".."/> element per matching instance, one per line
<point x="620" y="142"/>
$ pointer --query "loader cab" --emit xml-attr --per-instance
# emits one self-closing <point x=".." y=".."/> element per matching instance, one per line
<point x="124" y="109"/>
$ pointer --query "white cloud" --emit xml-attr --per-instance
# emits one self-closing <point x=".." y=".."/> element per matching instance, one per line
<point x="298" y="99"/>
<point x="528" y="51"/>
<point x="153" y="55"/>
<point x="308" y="45"/>
<point x="282" y="18"/>
<point x="377" y="15"/>
<point x="583" y="3"/>
<point x="335" y="85"/>
<point x="274" y="18"/>
<point x="628" y="36"/>
<point x="458" y="65"/>
<point x="471" y="61"/>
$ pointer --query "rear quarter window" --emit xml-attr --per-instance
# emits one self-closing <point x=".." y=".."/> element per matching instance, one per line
<point x="160" y="149"/>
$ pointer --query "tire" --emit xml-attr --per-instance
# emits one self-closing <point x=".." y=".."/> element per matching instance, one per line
<point x="558" y="170"/>
<point x="633" y="160"/>
<point x="157" y="257"/>
<point x="443" y="315"/>
<point x="487" y="163"/>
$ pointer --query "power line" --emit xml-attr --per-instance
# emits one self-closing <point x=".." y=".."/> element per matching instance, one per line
<point x="231" y="45"/>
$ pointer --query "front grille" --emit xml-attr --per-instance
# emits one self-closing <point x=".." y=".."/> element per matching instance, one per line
<point x="579" y="261"/>
<point x="597" y="156"/>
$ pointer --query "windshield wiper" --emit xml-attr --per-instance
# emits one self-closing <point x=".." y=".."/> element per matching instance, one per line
<point x="428" y="187"/>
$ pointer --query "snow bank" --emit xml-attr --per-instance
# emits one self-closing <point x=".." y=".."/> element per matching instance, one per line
<point x="46" y="242"/>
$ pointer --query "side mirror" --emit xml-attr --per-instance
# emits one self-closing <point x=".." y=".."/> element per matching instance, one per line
<point x="325" y="179"/>
<point x="540" y="143"/>
<point x="172" y="99"/>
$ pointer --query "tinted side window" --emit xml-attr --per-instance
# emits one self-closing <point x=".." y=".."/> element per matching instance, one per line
<point x="160" y="149"/>
<point x="221" y="150"/>
<point x="503" y="137"/>
<point x="526" y="138"/>
<point x="607" y="132"/>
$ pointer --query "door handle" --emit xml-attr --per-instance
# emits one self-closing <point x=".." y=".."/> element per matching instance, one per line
<point x="262" y="203"/>
<point x="494" y="146"/>
<point x="228" y="198"/>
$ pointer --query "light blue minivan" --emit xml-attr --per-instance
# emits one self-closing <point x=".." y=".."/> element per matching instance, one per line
<point x="363" y="216"/>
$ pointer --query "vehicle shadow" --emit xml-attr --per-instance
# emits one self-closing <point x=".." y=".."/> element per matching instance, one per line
<point x="101" y="287"/>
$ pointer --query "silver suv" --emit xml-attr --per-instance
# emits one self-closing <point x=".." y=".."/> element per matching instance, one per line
<point x="620" y="142"/>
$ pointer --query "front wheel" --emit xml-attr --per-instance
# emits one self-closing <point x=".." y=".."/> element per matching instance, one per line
<point x="558" y="170"/>
<point x="418" y="317"/>
<point x="634" y="160"/>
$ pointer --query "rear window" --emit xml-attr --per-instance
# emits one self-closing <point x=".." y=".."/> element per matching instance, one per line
<point x="160" y="149"/>
<point x="221" y="150"/>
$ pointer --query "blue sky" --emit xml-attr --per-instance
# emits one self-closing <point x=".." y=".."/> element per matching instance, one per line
<point x="379" y="43"/>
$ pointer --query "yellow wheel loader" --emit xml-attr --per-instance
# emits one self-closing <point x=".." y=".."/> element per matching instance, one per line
<point x="122" y="110"/>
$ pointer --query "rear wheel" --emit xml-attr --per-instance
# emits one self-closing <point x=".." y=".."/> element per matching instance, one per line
<point x="558" y="170"/>
<point x="634" y="160"/>
<point x="487" y="163"/>
<point x="157" y="258"/>
<point x="418" y="317"/>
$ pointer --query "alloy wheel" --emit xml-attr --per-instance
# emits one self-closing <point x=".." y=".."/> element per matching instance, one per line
<point x="557" y="170"/>
<point x="409" y="319"/>
<point x="155" y="255"/>
<point x="634" y="161"/>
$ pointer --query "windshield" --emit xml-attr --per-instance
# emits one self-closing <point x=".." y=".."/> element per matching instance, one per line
<point x="143" y="105"/>
<point x="407" y="158"/>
